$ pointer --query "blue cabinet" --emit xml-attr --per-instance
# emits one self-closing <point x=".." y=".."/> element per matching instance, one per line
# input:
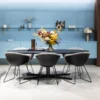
<point x="66" y="45"/>
<point x="91" y="46"/>
<point x="5" y="46"/>
<point x="25" y="44"/>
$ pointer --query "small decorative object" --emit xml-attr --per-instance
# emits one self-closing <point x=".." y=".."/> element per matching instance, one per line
<point x="4" y="27"/>
<point x="88" y="32"/>
<point x="21" y="27"/>
<point x="29" y="20"/>
<point x="60" y="25"/>
<point x="33" y="43"/>
<point x="50" y="38"/>
<point x="71" y="26"/>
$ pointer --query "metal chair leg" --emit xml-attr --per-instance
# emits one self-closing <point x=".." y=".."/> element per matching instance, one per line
<point x="87" y="75"/>
<point x="16" y="73"/>
<point x="27" y="68"/>
<point x="78" y="70"/>
<point x="64" y="67"/>
<point x="39" y="74"/>
<point x="20" y="77"/>
<point x="6" y="76"/>
<point x="82" y="70"/>
<point x="75" y="76"/>
<point x="31" y="66"/>
<point x="55" y="72"/>
<point x="68" y="68"/>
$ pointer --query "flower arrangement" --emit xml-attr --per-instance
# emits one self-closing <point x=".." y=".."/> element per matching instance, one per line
<point x="49" y="38"/>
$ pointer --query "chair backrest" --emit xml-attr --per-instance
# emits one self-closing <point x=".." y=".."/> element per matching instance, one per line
<point x="23" y="48"/>
<point x="77" y="59"/>
<point x="16" y="59"/>
<point x="48" y="59"/>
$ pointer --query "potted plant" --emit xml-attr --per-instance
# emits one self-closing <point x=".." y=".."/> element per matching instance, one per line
<point x="29" y="20"/>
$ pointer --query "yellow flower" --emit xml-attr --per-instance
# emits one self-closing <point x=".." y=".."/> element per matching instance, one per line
<point x="52" y="42"/>
<point x="56" y="35"/>
<point x="53" y="37"/>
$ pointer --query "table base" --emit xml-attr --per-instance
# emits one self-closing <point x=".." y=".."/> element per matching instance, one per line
<point x="31" y="76"/>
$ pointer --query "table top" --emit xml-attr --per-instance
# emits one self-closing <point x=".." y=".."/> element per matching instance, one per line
<point x="59" y="51"/>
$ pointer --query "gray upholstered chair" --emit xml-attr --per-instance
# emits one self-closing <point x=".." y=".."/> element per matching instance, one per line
<point x="48" y="59"/>
<point x="78" y="60"/>
<point x="30" y="55"/>
<point x="15" y="60"/>
<point x="72" y="48"/>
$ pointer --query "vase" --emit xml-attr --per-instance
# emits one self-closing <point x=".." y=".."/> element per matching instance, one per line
<point x="50" y="48"/>
<point x="29" y="25"/>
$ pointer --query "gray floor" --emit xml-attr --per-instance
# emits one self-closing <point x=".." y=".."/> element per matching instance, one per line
<point x="83" y="90"/>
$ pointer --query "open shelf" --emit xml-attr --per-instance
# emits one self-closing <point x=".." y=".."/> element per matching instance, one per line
<point x="36" y="28"/>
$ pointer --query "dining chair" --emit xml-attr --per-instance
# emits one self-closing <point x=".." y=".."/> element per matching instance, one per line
<point x="15" y="60"/>
<point x="48" y="60"/>
<point x="72" y="48"/>
<point x="30" y="55"/>
<point x="78" y="60"/>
